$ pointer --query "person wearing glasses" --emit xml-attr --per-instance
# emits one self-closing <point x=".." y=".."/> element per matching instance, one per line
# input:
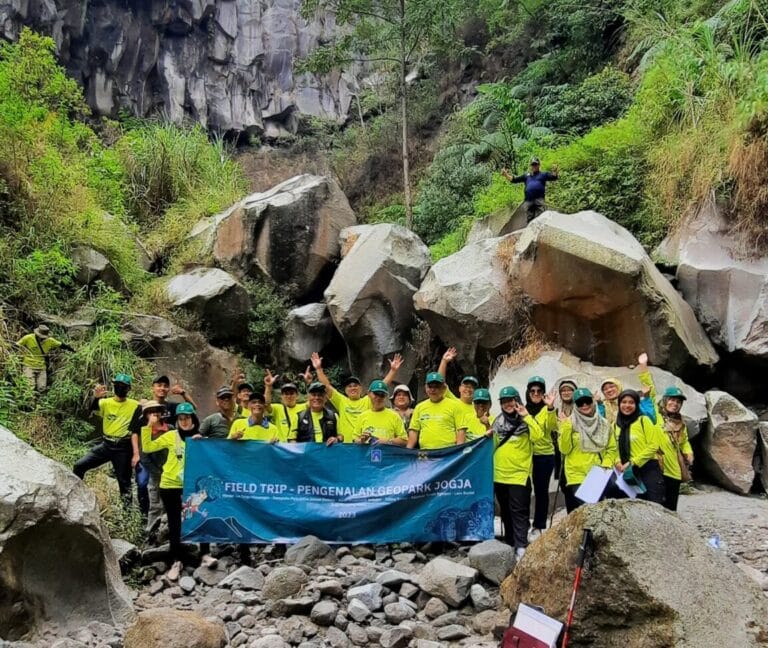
<point x="585" y="440"/>
<point x="219" y="424"/>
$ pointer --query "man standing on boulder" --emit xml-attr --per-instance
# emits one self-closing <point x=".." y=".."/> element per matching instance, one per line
<point x="119" y="446"/>
<point x="535" y="186"/>
<point x="35" y="349"/>
<point x="352" y="403"/>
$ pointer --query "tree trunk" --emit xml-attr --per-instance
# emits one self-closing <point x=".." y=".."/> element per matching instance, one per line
<point x="404" y="104"/>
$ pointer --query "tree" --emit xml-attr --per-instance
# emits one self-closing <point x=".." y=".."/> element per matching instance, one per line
<point x="391" y="34"/>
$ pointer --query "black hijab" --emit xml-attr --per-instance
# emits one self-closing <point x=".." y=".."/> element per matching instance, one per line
<point x="534" y="408"/>
<point x="625" y="422"/>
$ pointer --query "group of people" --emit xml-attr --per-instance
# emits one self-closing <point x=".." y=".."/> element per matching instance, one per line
<point x="565" y="431"/>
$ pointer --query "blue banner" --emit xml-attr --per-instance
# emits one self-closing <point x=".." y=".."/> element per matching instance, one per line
<point x="250" y="492"/>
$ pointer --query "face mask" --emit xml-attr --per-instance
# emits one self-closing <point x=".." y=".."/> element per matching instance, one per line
<point x="121" y="390"/>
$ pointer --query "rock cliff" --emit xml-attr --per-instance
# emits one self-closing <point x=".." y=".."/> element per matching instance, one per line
<point x="227" y="64"/>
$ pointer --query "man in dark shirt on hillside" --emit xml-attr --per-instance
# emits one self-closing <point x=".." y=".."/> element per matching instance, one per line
<point x="535" y="186"/>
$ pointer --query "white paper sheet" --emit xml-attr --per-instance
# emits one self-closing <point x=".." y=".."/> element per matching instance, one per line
<point x="537" y="625"/>
<point x="593" y="486"/>
<point x="631" y="491"/>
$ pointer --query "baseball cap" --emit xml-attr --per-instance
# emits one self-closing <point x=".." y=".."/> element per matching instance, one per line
<point x="434" y="377"/>
<point x="581" y="393"/>
<point x="245" y="385"/>
<point x="537" y="380"/>
<point x="470" y="379"/>
<point x="509" y="392"/>
<point x="161" y="380"/>
<point x="316" y="387"/>
<point x="224" y="391"/>
<point x="481" y="396"/>
<point x="255" y="396"/>
<point x="185" y="408"/>
<point x="288" y="386"/>
<point x="350" y="380"/>
<point x="379" y="387"/>
<point x="674" y="392"/>
<point x="123" y="378"/>
<point x="535" y="160"/>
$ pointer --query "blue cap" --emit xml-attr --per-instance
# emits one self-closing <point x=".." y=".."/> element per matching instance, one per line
<point x="509" y="392"/>
<point x="434" y="377"/>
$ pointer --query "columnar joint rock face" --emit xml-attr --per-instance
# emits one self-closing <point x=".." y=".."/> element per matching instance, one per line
<point x="56" y="560"/>
<point x="227" y="65"/>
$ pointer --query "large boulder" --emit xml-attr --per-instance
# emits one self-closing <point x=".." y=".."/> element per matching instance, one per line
<point x="728" y="291"/>
<point x="595" y="291"/>
<point x="726" y="449"/>
<point x="447" y="580"/>
<point x="289" y="233"/>
<point x="557" y="364"/>
<point x="762" y="458"/>
<point x="493" y="559"/>
<point x="52" y="545"/>
<point x="215" y="298"/>
<point x="91" y="266"/>
<point x="184" y="356"/>
<point x="307" y="328"/>
<point x="651" y="582"/>
<point x="499" y="223"/>
<point x="169" y="628"/>
<point x="469" y="301"/>
<point x="370" y="297"/>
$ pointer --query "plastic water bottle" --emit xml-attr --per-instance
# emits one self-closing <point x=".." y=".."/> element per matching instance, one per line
<point x="714" y="541"/>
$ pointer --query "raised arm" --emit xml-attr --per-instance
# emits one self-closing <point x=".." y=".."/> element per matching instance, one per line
<point x="269" y="381"/>
<point x="394" y="364"/>
<point x="317" y="363"/>
<point x="449" y="356"/>
<point x="179" y="390"/>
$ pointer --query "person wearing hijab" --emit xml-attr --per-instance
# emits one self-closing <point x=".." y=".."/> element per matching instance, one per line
<point x="541" y="407"/>
<point x="514" y="432"/>
<point x="565" y="390"/>
<point x="585" y="440"/>
<point x="674" y="438"/>
<point x="639" y="441"/>
<point x="609" y="407"/>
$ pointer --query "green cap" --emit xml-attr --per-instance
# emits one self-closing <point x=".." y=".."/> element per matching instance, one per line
<point x="481" y="396"/>
<point x="122" y="378"/>
<point x="379" y="387"/>
<point x="185" y="408"/>
<point x="470" y="379"/>
<point x="509" y="392"/>
<point x="316" y="387"/>
<point x="537" y="380"/>
<point x="434" y="377"/>
<point x="582" y="392"/>
<point x="674" y="392"/>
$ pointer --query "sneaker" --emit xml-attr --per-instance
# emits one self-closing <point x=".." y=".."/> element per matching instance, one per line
<point x="209" y="561"/>
<point x="534" y="534"/>
<point x="175" y="571"/>
<point x="519" y="553"/>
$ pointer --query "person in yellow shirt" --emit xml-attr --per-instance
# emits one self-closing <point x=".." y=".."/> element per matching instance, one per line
<point x="515" y="432"/>
<point x="255" y="427"/>
<point x="437" y="422"/>
<point x="35" y="349"/>
<point x="466" y="387"/>
<point x="118" y="446"/>
<point x="352" y="403"/>
<point x="481" y="420"/>
<point x="379" y="424"/>
<point x="318" y="423"/>
<point x="585" y="440"/>
<point x="157" y="436"/>
<point x="284" y="414"/>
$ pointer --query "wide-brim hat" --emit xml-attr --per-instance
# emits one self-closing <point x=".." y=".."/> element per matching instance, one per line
<point x="42" y="331"/>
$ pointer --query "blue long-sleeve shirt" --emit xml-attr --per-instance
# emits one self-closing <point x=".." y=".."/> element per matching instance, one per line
<point x="535" y="183"/>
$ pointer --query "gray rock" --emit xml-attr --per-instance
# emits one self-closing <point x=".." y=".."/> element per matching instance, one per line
<point x="335" y="638"/>
<point x="306" y="329"/>
<point x="449" y="618"/>
<point x="395" y="638"/>
<point x="127" y="554"/>
<point x="324" y="613"/>
<point x="374" y="634"/>
<point x="358" y="610"/>
<point x="175" y="629"/>
<point x="408" y="590"/>
<point x="396" y="613"/>
<point x="332" y="588"/>
<point x="452" y="633"/>
<point x="370" y="297"/>
<point x="246" y="578"/>
<point x="45" y="511"/>
<point x="292" y="629"/>
<point x="392" y="578"/>
<point x="762" y="459"/>
<point x="93" y="266"/>
<point x="426" y="643"/>
<point x="213" y="296"/>
<point x="357" y="634"/>
<point x="282" y="582"/>
<point x="210" y="577"/>
<point x="311" y="551"/>
<point x="500" y="223"/>
<point x="680" y="584"/>
<point x="434" y="608"/>
<point x="187" y="584"/>
<point x="289" y="606"/>
<point x="369" y="595"/>
<point x="481" y="600"/>
<point x="447" y="580"/>
<point x="727" y="447"/>
<point x="68" y="643"/>
<point x="493" y="559"/>
<point x="270" y="641"/>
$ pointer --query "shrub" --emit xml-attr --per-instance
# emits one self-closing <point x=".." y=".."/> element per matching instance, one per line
<point x="269" y="309"/>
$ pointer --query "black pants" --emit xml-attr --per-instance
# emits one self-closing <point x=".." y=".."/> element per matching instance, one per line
<point x="534" y="207"/>
<point x="171" y="499"/>
<point x="671" y="492"/>
<point x="120" y="455"/>
<point x="543" y="465"/>
<point x="653" y="479"/>
<point x="515" y="505"/>
<point x="571" y="501"/>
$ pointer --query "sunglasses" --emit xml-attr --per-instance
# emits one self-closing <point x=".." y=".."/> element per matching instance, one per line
<point x="536" y="390"/>
<point x="583" y="401"/>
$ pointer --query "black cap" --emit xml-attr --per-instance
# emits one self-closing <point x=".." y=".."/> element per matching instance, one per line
<point x="244" y="385"/>
<point x="287" y="386"/>
<point x="224" y="391"/>
<point x="162" y="379"/>
<point x="352" y="379"/>
<point x="255" y="396"/>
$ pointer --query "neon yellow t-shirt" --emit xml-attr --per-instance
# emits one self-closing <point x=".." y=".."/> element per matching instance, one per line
<point x="437" y="423"/>
<point x="116" y="416"/>
<point x="348" y="410"/>
<point x="467" y="409"/>
<point x="476" y="429"/>
<point x="316" y="418"/>
<point x="255" y="432"/>
<point x="173" y="468"/>
<point x="287" y="426"/>
<point x="31" y="355"/>
<point x="385" y="424"/>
